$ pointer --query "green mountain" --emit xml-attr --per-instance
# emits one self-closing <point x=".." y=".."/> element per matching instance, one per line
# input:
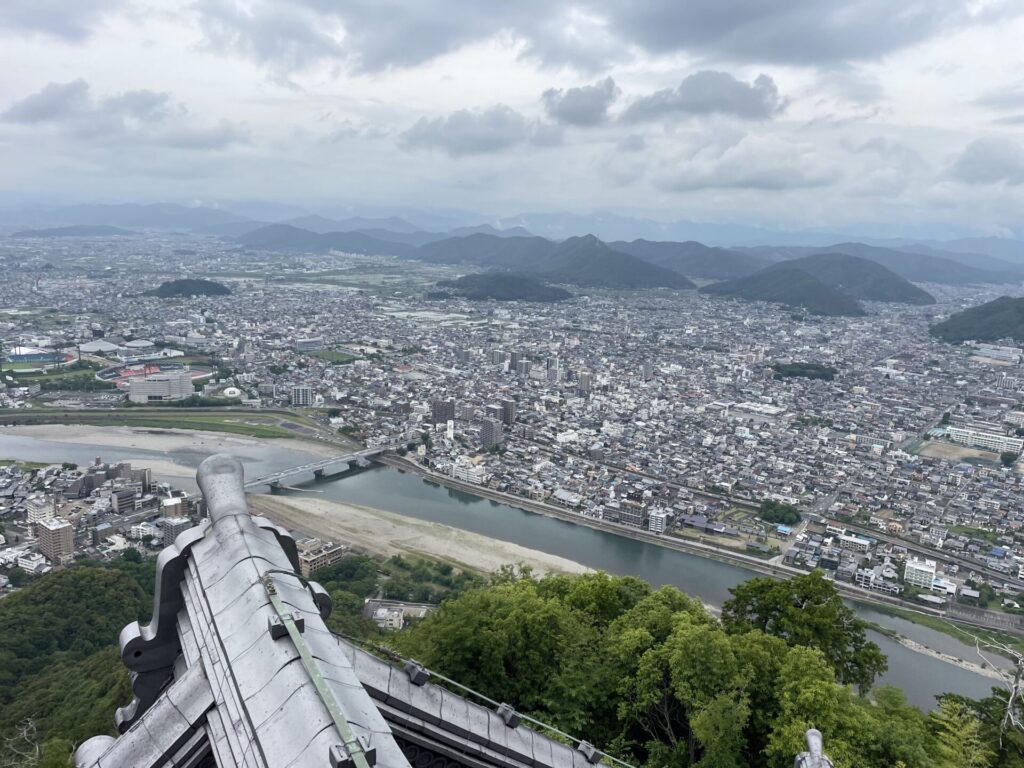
<point x="284" y="237"/>
<point x="590" y="262"/>
<point x="858" y="278"/>
<point x="916" y="267"/>
<point x="77" y="230"/>
<point x="584" y="261"/>
<point x="791" y="287"/>
<point x="188" y="287"/>
<point x="1001" y="318"/>
<point x="484" y="250"/>
<point x="502" y="286"/>
<point x="693" y="259"/>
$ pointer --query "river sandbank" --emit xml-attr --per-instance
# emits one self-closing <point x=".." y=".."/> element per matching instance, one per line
<point x="970" y="666"/>
<point x="157" y="440"/>
<point x="387" y="534"/>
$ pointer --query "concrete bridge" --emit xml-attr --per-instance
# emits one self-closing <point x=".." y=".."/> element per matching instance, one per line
<point x="317" y="468"/>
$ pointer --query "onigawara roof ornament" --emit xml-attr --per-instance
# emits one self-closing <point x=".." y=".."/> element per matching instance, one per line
<point x="237" y="668"/>
<point x="814" y="757"/>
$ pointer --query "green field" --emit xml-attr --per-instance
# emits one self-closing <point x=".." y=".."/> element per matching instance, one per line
<point x="236" y="422"/>
<point x="333" y="356"/>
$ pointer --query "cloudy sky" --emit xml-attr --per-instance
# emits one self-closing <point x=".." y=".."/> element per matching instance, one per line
<point x="782" y="113"/>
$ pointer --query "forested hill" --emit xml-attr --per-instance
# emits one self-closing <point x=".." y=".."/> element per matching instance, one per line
<point x="790" y="287"/>
<point x="647" y="675"/>
<point x="1001" y="318"/>
<point x="859" y="278"/>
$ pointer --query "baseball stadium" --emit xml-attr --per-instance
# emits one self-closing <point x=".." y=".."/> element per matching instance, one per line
<point x="120" y="375"/>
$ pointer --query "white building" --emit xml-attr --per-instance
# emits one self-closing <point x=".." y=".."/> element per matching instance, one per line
<point x="657" y="521"/>
<point x="159" y="387"/>
<point x="919" y="573"/>
<point x="469" y="473"/>
<point x="33" y="562"/>
<point x="992" y="441"/>
<point x="854" y="543"/>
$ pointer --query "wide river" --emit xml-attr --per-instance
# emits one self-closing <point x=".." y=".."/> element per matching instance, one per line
<point x="920" y="676"/>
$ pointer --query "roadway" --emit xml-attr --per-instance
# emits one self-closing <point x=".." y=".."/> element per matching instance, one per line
<point x="314" y="466"/>
<point x="917" y="549"/>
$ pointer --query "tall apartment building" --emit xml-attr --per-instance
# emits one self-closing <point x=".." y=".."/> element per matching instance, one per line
<point x="442" y="411"/>
<point x="315" y="554"/>
<point x="508" y="412"/>
<point x="919" y="573"/>
<point x="160" y="387"/>
<point x="56" y="540"/>
<point x="174" y="507"/>
<point x="490" y="433"/>
<point x="302" y="396"/>
<point x="657" y="521"/>
<point x="172" y="526"/>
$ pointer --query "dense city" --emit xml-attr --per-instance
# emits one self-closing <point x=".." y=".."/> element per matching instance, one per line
<point x="861" y="446"/>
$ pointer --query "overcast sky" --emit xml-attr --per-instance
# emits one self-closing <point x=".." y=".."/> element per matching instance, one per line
<point x="785" y="113"/>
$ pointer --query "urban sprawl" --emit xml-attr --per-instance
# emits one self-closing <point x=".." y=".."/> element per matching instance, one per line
<point x="689" y="417"/>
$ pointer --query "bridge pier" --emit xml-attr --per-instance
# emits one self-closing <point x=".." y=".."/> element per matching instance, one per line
<point x="276" y="487"/>
<point x="318" y="475"/>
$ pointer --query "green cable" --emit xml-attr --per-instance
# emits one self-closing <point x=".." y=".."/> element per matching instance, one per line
<point x="349" y="738"/>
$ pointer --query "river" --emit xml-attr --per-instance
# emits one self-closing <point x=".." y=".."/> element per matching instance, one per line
<point x="920" y="676"/>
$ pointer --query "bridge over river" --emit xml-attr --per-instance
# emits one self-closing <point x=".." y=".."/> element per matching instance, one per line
<point x="318" y="468"/>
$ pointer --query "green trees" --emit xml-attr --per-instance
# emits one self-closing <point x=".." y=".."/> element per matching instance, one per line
<point x="777" y="512"/>
<point x="959" y="737"/>
<point x="59" y="669"/>
<point x="807" y="611"/>
<point x="652" y="677"/>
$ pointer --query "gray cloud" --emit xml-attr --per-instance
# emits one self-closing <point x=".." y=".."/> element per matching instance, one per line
<point x="135" y="117"/>
<point x="468" y="132"/>
<point x="56" y="101"/>
<point x="1005" y="98"/>
<point x="708" y="92"/>
<point x="990" y="161"/>
<point x="748" y="163"/>
<point x="584" y="106"/>
<point x="287" y="34"/>
<point x="788" y="31"/>
<point x="67" y="20"/>
<point x="632" y="143"/>
<point x="588" y="34"/>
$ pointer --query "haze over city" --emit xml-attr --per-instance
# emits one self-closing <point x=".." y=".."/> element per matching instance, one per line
<point x="865" y="118"/>
<point x="477" y="384"/>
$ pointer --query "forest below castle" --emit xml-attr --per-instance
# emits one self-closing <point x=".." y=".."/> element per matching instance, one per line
<point x="647" y="674"/>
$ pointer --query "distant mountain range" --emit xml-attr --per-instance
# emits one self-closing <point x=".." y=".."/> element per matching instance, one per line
<point x="507" y="244"/>
<point x="77" y="230"/>
<point x="584" y="261"/>
<point x="285" y="237"/>
<point x="692" y="258"/>
<point x="791" y="287"/>
<point x="501" y="286"/>
<point x="162" y="216"/>
<point x="918" y="267"/>
<point x="1001" y="318"/>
